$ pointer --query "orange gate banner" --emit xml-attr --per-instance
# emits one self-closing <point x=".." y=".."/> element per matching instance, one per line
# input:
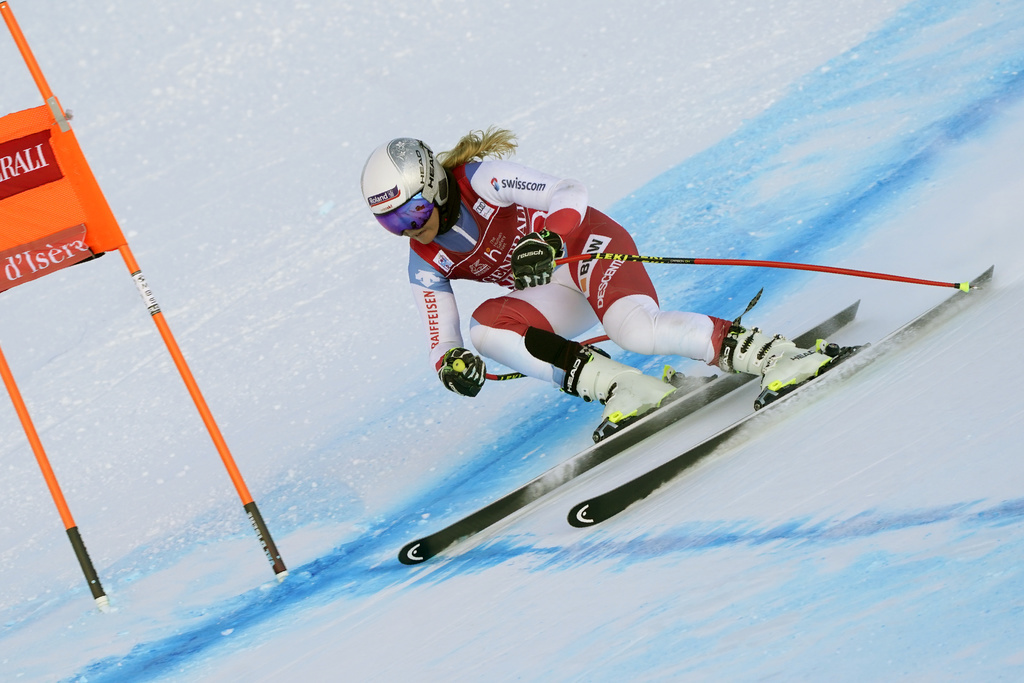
<point x="50" y="215"/>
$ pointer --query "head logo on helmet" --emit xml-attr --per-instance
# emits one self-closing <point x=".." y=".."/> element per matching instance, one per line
<point x="399" y="170"/>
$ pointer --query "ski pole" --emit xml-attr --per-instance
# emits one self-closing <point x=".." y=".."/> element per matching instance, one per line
<point x="460" y="366"/>
<point x="688" y="261"/>
<point x="962" y="286"/>
<point x="518" y="375"/>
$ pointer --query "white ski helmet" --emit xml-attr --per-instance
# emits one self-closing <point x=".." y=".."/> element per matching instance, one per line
<point x="399" y="170"/>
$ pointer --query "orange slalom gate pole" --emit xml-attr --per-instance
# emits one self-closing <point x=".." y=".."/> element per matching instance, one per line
<point x="249" y="505"/>
<point x="74" y="536"/>
<point x="98" y="209"/>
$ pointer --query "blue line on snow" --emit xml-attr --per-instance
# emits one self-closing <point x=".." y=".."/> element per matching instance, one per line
<point x="350" y="571"/>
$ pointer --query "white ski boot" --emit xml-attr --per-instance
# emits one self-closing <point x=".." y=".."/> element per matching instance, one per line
<point x="626" y="393"/>
<point x="780" y="363"/>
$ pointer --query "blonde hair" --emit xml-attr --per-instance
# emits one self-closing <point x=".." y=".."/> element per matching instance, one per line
<point x="478" y="145"/>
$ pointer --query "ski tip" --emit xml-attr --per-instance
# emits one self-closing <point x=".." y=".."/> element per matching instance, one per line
<point x="413" y="553"/>
<point x="579" y="516"/>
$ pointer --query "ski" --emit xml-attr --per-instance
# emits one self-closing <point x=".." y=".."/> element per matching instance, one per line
<point x="610" y="503"/>
<point x="422" y="549"/>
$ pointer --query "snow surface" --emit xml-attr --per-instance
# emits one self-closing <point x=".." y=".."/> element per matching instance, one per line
<point x="871" y="530"/>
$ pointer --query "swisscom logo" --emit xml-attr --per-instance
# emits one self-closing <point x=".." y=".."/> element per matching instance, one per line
<point x="516" y="184"/>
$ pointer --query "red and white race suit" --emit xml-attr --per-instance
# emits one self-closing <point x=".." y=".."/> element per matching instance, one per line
<point x="501" y="202"/>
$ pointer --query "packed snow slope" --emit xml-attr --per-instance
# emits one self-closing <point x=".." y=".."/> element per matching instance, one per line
<point x="869" y="529"/>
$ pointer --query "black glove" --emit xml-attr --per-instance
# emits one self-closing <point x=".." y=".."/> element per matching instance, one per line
<point x="462" y="371"/>
<point x="533" y="259"/>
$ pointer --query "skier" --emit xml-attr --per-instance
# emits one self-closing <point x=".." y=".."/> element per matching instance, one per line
<point x="471" y="214"/>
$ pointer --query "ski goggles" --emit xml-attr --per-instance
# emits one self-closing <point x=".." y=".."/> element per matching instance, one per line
<point x="412" y="215"/>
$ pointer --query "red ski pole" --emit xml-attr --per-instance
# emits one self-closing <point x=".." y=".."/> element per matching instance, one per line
<point x="686" y="261"/>
<point x="962" y="286"/>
